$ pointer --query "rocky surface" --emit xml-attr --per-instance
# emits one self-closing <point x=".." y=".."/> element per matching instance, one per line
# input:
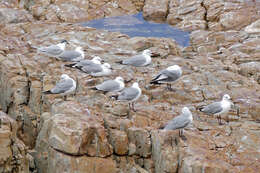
<point x="92" y="133"/>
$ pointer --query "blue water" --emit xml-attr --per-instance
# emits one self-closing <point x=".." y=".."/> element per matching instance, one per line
<point x="135" y="25"/>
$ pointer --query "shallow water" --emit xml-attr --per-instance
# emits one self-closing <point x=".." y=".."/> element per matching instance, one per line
<point x="135" y="25"/>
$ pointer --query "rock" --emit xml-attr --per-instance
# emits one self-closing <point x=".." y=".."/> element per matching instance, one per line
<point x="58" y="163"/>
<point x="90" y="132"/>
<point x="74" y="132"/>
<point x="233" y="20"/>
<point x="12" y="151"/>
<point x="253" y="28"/>
<point x="249" y="69"/>
<point x="119" y="141"/>
<point x="9" y="15"/>
<point x="140" y="140"/>
<point x="164" y="151"/>
<point x="155" y="10"/>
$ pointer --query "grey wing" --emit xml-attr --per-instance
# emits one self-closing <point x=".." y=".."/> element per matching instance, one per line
<point x="172" y="75"/>
<point x="128" y="94"/>
<point x="69" y="55"/>
<point x="62" y="86"/>
<point x="136" y="61"/>
<point x="53" y="50"/>
<point x="109" y="85"/>
<point x="212" y="108"/>
<point x="177" y="123"/>
<point x="85" y="62"/>
<point x="94" y="68"/>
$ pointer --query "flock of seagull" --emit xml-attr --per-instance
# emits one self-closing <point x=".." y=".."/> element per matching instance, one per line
<point x="94" y="67"/>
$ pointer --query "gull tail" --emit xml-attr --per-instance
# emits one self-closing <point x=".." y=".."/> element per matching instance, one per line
<point x="201" y="108"/>
<point x="119" y="62"/>
<point x="47" y="92"/>
<point x="70" y="65"/>
<point x="94" y="88"/>
<point x="154" y="82"/>
<point x="161" y="127"/>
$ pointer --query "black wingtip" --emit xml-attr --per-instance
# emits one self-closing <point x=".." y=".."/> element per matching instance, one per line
<point x="47" y="92"/>
<point x="201" y="109"/>
<point x="70" y="65"/>
<point x="154" y="82"/>
<point x="119" y="62"/>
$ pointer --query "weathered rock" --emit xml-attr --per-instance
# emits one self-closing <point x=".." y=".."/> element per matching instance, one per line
<point x="91" y="132"/>
<point x="165" y="151"/>
<point x="12" y="151"/>
<point x="253" y="28"/>
<point x="9" y="15"/>
<point x="58" y="162"/>
<point x="155" y="10"/>
<point x="139" y="142"/>
<point x="119" y="141"/>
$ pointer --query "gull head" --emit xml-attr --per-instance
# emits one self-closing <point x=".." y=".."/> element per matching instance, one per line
<point x="64" y="42"/>
<point x="64" y="76"/>
<point x="174" y="67"/>
<point x="147" y="52"/>
<point x="226" y="97"/>
<point x="119" y="79"/>
<point x="97" y="60"/>
<point x="185" y="111"/>
<point x="106" y="65"/>
<point x="135" y="85"/>
<point x="79" y="49"/>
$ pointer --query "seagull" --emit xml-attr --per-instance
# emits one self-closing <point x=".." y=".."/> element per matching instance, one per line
<point x="180" y="122"/>
<point x="53" y="50"/>
<point x="167" y="76"/>
<point x="65" y="86"/>
<point x="97" y="69"/>
<point x="218" y="108"/>
<point x="129" y="95"/>
<point x="111" y="85"/>
<point x="72" y="55"/>
<point x="141" y="60"/>
<point x="85" y="62"/>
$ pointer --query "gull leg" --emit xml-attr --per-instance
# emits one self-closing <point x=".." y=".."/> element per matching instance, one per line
<point x="133" y="107"/>
<point x="65" y="98"/>
<point x="129" y="105"/>
<point x="0" y="122"/>
<point x="219" y="120"/>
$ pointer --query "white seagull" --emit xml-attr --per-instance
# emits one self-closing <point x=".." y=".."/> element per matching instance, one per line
<point x="111" y="85"/>
<point x="97" y="69"/>
<point x="218" y="108"/>
<point x="53" y="50"/>
<point x="180" y="122"/>
<point x="168" y="76"/>
<point x="72" y="55"/>
<point x="85" y="62"/>
<point x="65" y="86"/>
<point x="141" y="60"/>
<point x="129" y="95"/>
